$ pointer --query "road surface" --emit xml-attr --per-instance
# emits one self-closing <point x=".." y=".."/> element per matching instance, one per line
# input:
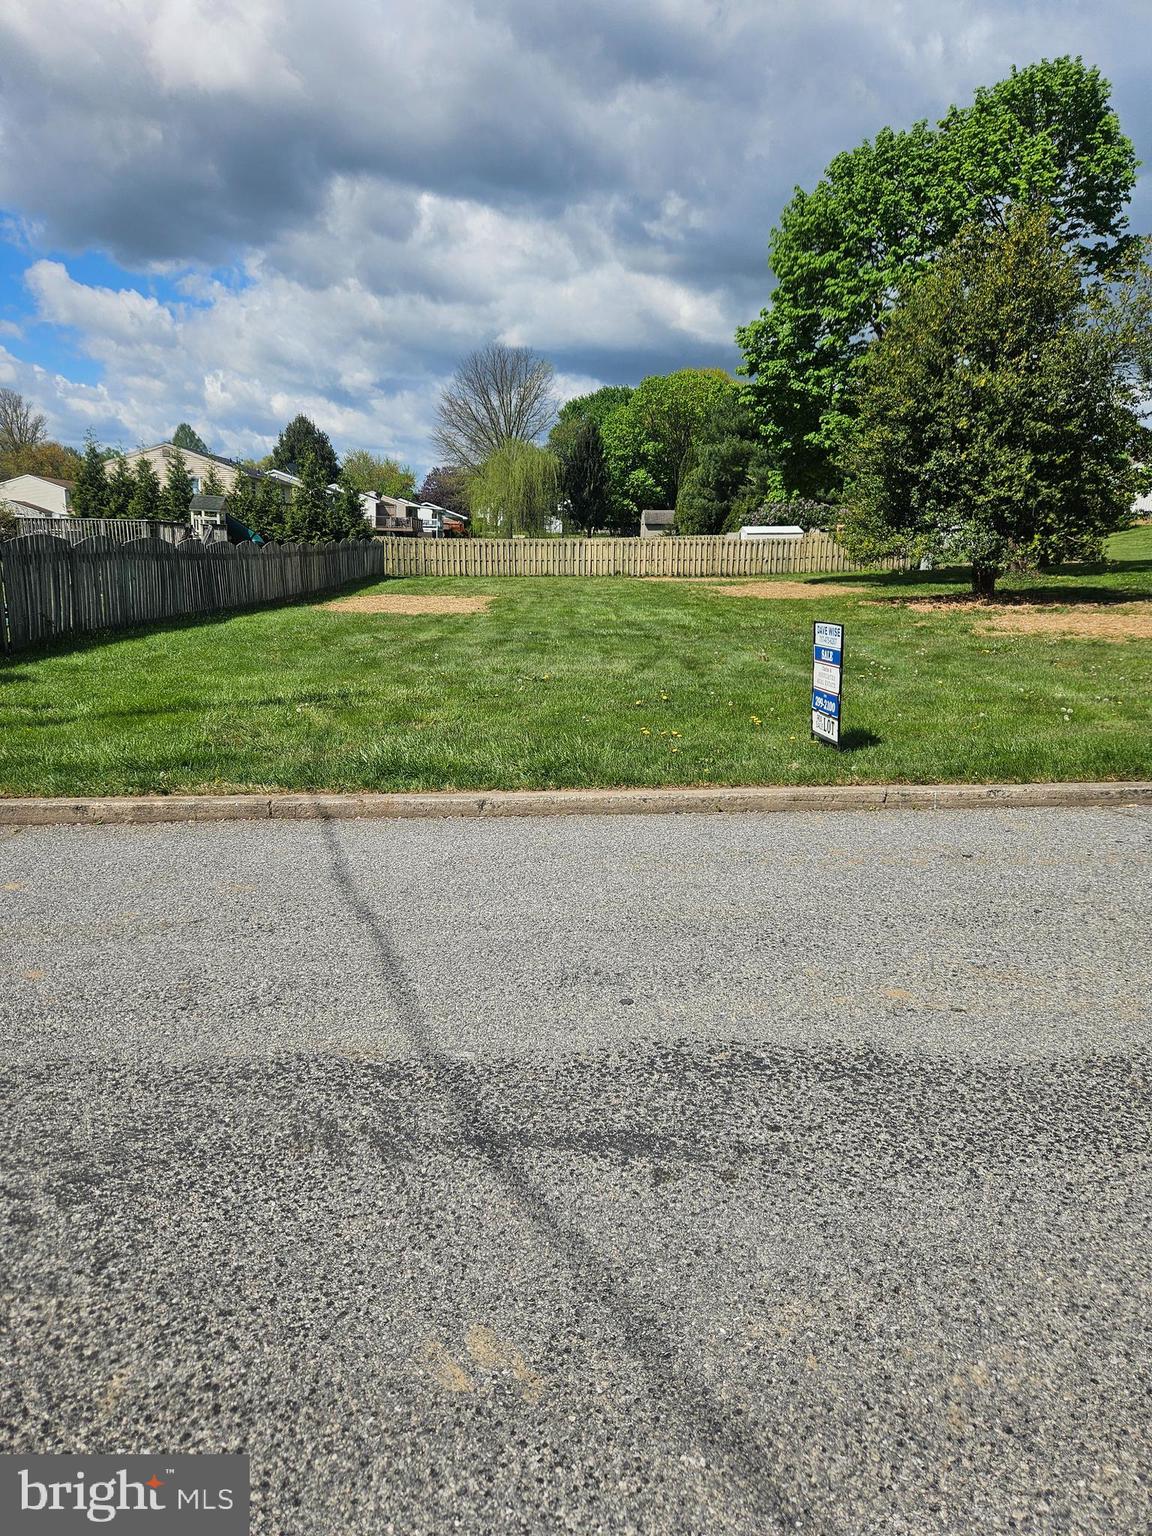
<point x="693" y="1175"/>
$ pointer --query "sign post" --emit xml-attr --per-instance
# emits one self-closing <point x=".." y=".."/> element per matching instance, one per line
<point x="827" y="681"/>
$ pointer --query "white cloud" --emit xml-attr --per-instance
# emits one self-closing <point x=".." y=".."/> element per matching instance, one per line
<point x="398" y="182"/>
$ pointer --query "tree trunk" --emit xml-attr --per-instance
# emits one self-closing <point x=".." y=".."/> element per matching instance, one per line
<point x="984" y="580"/>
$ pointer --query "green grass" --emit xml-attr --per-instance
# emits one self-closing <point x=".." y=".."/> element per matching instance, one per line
<point x="572" y="682"/>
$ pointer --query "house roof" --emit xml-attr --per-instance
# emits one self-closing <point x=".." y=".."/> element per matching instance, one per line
<point x="658" y="517"/>
<point x="217" y="458"/>
<point x="48" y="479"/>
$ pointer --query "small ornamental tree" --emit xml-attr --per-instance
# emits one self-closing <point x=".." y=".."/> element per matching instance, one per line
<point x="119" y="487"/>
<point x="999" y="413"/>
<point x="176" y="496"/>
<point x="446" y="486"/>
<point x="90" y="492"/>
<point x="145" y="500"/>
<point x="9" y="523"/>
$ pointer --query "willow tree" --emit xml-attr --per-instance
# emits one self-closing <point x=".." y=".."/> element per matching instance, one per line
<point x="517" y="489"/>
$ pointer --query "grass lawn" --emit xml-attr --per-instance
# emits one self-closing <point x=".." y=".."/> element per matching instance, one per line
<point x="568" y="682"/>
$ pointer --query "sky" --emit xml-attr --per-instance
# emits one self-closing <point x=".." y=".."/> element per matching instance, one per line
<point x="229" y="211"/>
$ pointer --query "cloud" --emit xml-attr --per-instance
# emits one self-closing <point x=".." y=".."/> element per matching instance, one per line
<point x="344" y="198"/>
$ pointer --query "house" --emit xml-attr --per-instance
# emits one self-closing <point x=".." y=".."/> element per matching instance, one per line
<point x="37" y="495"/>
<point x="657" y="524"/>
<point x="390" y="514"/>
<point x="198" y="465"/>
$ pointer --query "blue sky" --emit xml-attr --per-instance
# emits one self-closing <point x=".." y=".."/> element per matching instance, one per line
<point x="227" y="213"/>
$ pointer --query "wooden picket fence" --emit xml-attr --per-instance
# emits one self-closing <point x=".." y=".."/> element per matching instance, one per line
<point x="815" y="553"/>
<point x="50" y="587"/>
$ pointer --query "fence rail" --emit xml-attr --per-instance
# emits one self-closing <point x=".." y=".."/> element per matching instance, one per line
<point x="815" y="553"/>
<point x="74" y="529"/>
<point x="50" y="587"/>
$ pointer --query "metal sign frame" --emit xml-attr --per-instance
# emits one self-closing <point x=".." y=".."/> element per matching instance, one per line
<point x="836" y="721"/>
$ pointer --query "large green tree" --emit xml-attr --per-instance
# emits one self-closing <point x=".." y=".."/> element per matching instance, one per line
<point x="188" y="439"/>
<point x="597" y="406"/>
<point x="648" y="439"/>
<point x="370" y="472"/>
<point x="844" y="252"/>
<point x="999" y="414"/>
<point x="584" y="483"/>
<point x="300" y="440"/>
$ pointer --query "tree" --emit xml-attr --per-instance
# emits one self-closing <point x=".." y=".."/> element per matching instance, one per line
<point x="90" y="492"/>
<point x="9" y="523"/>
<point x="346" y="515"/>
<point x="212" y="485"/>
<point x="999" y="414"/>
<point x="302" y="439"/>
<point x="385" y="476"/>
<point x="145" y="500"/>
<point x="516" y="489"/>
<point x="446" y="486"/>
<point x="497" y="395"/>
<point x="188" y="439"/>
<point x="882" y="213"/>
<point x="584" y="481"/>
<point x="648" y="439"/>
<point x="176" y="496"/>
<point x="597" y="406"/>
<point x="46" y="458"/>
<point x="308" y="520"/>
<point x="20" y="425"/>
<point x="120" y="485"/>
<point x="259" y="503"/>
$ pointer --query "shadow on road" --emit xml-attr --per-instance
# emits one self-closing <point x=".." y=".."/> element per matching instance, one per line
<point x="709" y="1420"/>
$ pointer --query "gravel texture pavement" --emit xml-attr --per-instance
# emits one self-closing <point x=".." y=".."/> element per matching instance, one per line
<point x="681" y="1175"/>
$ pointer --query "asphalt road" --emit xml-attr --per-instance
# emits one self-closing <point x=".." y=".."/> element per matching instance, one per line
<point x="672" y="1174"/>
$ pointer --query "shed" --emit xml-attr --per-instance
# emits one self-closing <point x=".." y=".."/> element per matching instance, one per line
<point x="655" y="524"/>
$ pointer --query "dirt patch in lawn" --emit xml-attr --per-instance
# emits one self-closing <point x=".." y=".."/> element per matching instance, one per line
<point x="409" y="602"/>
<point x="1119" y="621"/>
<point x="788" y="589"/>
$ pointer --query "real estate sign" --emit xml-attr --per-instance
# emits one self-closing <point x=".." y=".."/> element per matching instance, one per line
<point x="827" y="680"/>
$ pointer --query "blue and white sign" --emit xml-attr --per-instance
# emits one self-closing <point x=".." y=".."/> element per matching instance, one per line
<point x="827" y="680"/>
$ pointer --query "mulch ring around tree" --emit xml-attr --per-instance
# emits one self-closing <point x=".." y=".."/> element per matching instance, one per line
<point x="408" y="602"/>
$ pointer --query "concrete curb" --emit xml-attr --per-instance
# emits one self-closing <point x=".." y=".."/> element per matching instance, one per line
<point x="564" y="802"/>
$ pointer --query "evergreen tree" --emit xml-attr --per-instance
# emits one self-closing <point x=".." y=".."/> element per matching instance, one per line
<point x="213" y="485"/>
<point x="120" y="485"/>
<point x="270" y="510"/>
<point x="176" y="497"/>
<point x="583" y="472"/>
<point x="189" y="439"/>
<point x="308" y="516"/>
<point x="145" y="500"/>
<point x="346" y="513"/>
<point x="300" y="440"/>
<point x="90" y="492"/>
